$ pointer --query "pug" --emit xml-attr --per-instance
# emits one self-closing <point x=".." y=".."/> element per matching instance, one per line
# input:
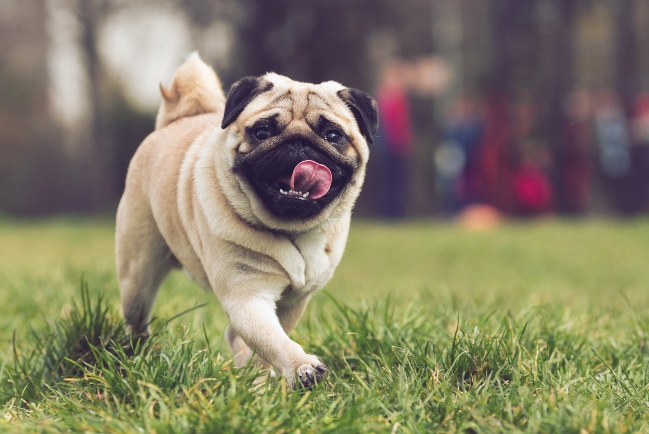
<point x="252" y="196"/>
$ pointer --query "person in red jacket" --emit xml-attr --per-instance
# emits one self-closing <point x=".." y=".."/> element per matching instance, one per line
<point x="395" y="138"/>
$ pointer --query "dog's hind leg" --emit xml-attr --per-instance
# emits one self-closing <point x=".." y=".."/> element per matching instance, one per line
<point x="143" y="261"/>
<point x="240" y="351"/>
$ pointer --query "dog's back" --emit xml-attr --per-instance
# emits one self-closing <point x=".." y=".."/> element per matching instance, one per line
<point x="194" y="89"/>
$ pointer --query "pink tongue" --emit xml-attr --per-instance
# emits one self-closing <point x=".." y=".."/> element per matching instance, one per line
<point x="312" y="177"/>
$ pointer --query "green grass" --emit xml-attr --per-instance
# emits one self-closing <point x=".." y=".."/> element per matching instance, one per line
<point x="426" y="328"/>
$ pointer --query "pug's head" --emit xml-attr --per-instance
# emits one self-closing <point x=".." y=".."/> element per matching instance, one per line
<point x="297" y="151"/>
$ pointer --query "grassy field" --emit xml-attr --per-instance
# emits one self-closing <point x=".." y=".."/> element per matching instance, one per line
<point x="426" y="327"/>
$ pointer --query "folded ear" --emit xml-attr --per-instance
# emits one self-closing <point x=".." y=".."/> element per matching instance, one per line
<point x="241" y="93"/>
<point x="365" y="111"/>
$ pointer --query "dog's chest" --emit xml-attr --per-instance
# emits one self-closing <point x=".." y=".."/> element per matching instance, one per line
<point x="318" y="265"/>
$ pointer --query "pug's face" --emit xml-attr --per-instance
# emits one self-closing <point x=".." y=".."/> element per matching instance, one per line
<point x="298" y="150"/>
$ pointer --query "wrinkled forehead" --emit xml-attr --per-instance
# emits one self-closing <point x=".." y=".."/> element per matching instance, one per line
<point x="292" y="101"/>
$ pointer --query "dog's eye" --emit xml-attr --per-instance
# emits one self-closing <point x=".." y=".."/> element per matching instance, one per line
<point x="262" y="133"/>
<point x="333" y="136"/>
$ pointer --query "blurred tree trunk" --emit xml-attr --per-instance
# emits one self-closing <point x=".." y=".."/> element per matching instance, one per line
<point x="98" y="153"/>
<point x="642" y="34"/>
<point x="306" y="41"/>
<point x="514" y="75"/>
<point x="626" y="52"/>
<point x="29" y="143"/>
<point x="560" y="81"/>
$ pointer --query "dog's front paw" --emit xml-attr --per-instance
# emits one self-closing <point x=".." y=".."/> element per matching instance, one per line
<point x="310" y="375"/>
<point x="137" y="335"/>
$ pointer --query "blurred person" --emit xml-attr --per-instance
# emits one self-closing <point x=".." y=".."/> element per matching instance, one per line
<point x="639" y="152"/>
<point x="530" y="161"/>
<point x="574" y="154"/>
<point x="457" y="158"/>
<point x="612" y="134"/>
<point x="395" y="138"/>
<point x="494" y="171"/>
<point x="640" y="121"/>
<point x="532" y="188"/>
<point x="613" y="141"/>
<point x="513" y="165"/>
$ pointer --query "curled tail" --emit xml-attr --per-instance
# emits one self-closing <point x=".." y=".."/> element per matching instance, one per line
<point x="194" y="89"/>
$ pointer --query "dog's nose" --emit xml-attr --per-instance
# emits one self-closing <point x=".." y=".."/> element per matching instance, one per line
<point x="297" y="147"/>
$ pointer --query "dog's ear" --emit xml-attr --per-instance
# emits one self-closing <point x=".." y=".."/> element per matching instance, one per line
<point x="241" y="93"/>
<point x="170" y="95"/>
<point x="365" y="111"/>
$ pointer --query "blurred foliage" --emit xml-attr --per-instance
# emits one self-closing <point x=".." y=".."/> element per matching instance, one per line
<point x="508" y="48"/>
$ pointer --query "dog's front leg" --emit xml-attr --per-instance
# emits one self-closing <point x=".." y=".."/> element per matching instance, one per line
<point x="254" y="319"/>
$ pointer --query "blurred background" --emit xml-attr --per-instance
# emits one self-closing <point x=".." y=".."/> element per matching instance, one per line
<point x="508" y="107"/>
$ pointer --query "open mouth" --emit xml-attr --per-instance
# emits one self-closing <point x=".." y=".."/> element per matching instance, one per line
<point x="309" y="181"/>
<point x="296" y="185"/>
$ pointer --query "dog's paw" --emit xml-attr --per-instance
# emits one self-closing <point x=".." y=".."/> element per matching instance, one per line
<point x="310" y="375"/>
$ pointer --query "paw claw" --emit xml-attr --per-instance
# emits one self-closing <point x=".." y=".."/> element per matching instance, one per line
<point x="310" y="376"/>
